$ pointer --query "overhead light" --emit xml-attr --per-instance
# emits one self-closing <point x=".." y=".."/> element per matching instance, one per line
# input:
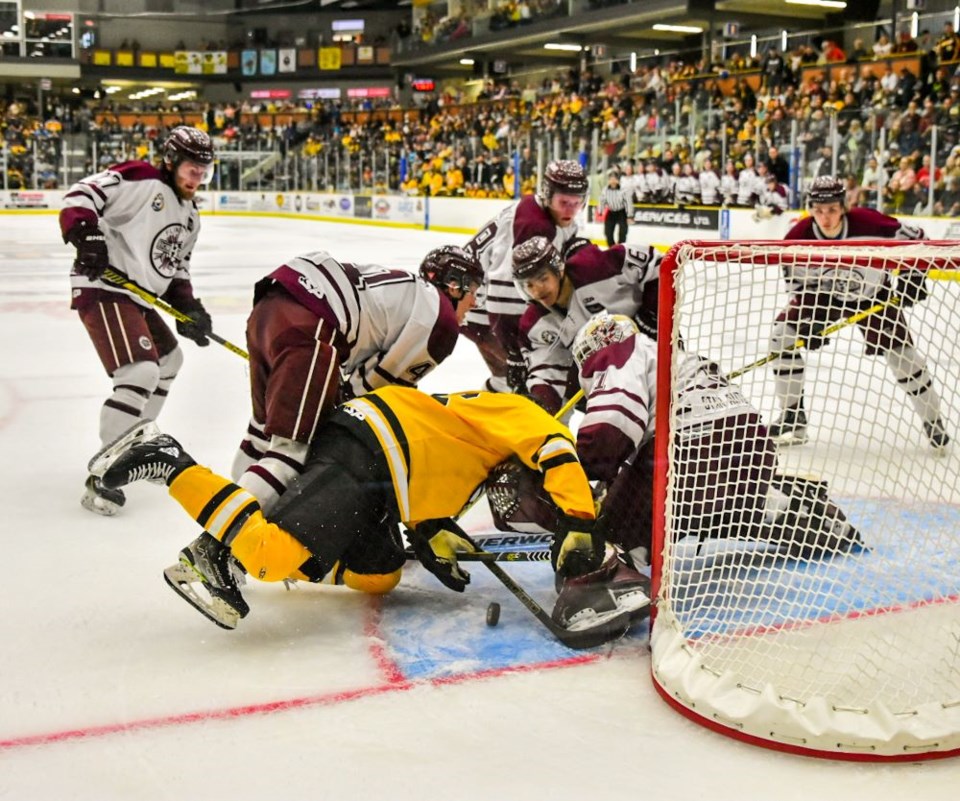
<point x="467" y="62"/>
<point x="821" y="3"/>
<point x="678" y="28"/>
<point x="573" y="48"/>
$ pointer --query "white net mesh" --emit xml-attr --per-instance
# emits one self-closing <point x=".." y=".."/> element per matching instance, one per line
<point x="826" y="615"/>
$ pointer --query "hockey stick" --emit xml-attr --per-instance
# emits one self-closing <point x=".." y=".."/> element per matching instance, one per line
<point x="121" y="280"/>
<point x="576" y="639"/>
<point x="823" y="332"/>
<point x="569" y="404"/>
<point x="494" y="556"/>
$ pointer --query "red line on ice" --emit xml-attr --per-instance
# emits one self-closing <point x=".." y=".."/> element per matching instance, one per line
<point x="393" y="681"/>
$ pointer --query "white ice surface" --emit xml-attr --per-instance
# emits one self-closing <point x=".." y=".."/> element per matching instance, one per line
<point x="112" y="688"/>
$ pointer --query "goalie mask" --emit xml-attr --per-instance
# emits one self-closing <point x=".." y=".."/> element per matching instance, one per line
<point x="599" y="331"/>
<point x="518" y="501"/>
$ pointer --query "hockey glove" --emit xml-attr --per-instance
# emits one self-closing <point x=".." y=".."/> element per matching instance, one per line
<point x="574" y="244"/>
<point x="912" y="287"/>
<point x="200" y="325"/>
<point x="576" y="548"/>
<point x="516" y="373"/>
<point x="436" y="544"/>
<point x="92" y="258"/>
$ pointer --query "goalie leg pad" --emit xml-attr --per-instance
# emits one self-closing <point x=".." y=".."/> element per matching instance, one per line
<point x="813" y="527"/>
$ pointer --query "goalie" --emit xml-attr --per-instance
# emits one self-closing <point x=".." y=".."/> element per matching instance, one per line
<point x="392" y="455"/>
<point x="724" y="481"/>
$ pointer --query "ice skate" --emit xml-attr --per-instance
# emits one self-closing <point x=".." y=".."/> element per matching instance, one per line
<point x="158" y="459"/>
<point x="936" y="434"/>
<point x="612" y="591"/>
<point x="138" y="432"/>
<point x="791" y="427"/>
<point x="206" y="577"/>
<point x="100" y="500"/>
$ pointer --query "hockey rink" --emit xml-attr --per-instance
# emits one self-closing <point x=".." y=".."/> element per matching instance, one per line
<point x="114" y="688"/>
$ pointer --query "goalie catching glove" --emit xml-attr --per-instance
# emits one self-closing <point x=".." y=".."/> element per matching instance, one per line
<point x="436" y="544"/>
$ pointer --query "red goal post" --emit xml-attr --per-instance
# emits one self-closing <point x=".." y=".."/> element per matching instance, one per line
<point x="851" y="650"/>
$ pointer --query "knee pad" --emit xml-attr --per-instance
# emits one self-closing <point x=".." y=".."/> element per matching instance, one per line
<point x="370" y="583"/>
<point x="141" y="378"/>
<point x="170" y="364"/>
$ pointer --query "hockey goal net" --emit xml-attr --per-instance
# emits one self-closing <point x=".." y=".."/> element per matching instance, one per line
<point x="826" y="622"/>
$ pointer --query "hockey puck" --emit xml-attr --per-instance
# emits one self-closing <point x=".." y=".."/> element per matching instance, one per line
<point x="493" y="614"/>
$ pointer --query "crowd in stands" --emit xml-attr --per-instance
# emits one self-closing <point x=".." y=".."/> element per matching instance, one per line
<point x="708" y="131"/>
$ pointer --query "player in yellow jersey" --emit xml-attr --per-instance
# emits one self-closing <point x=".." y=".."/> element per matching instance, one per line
<point x="393" y="455"/>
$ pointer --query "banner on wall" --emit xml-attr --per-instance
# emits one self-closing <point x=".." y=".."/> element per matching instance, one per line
<point x="288" y="60"/>
<point x="701" y="219"/>
<point x="248" y="62"/>
<point x="19" y="199"/>
<point x="329" y="58"/>
<point x="215" y="62"/>
<point x="188" y="62"/>
<point x="363" y="206"/>
<point x="268" y="62"/>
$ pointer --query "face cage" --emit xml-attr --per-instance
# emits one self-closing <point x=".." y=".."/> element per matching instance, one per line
<point x="462" y="283"/>
<point x="503" y="491"/>
<point x="584" y="346"/>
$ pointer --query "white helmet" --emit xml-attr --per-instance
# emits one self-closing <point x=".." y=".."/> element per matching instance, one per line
<point x="599" y="331"/>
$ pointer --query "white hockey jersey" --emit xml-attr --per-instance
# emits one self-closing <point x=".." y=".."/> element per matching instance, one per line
<point x="149" y="231"/>
<point x="614" y="280"/>
<point x="394" y="326"/>
<point x="619" y="382"/>
<point x="499" y="303"/>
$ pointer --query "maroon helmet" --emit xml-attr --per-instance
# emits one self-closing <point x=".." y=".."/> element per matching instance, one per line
<point x="452" y="265"/>
<point x="563" y="177"/>
<point x="826" y="189"/>
<point x="535" y="255"/>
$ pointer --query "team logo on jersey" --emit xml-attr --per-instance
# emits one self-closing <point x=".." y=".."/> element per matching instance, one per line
<point x="311" y="287"/>
<point x="165" y="250"/>
<point x="548" y="337"/>
<point x="157" y="204"/>
<point x="145" y="343"/>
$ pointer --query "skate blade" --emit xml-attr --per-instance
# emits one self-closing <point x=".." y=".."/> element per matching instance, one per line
<point x="790" y="438"/>
<point x="182" y="579"/>
<point x="100" y="506"/>
<point x="102" y="459"/>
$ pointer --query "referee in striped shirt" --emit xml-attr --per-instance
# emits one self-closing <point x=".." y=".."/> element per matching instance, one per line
<point x="619" y="208"/>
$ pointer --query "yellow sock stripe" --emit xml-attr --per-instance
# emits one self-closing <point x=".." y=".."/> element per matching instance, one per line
<point x="215" y="502"/>
<point x="195" y="487"/>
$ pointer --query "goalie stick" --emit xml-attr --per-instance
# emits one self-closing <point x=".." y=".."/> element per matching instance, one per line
<point x="121" y="280"/>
